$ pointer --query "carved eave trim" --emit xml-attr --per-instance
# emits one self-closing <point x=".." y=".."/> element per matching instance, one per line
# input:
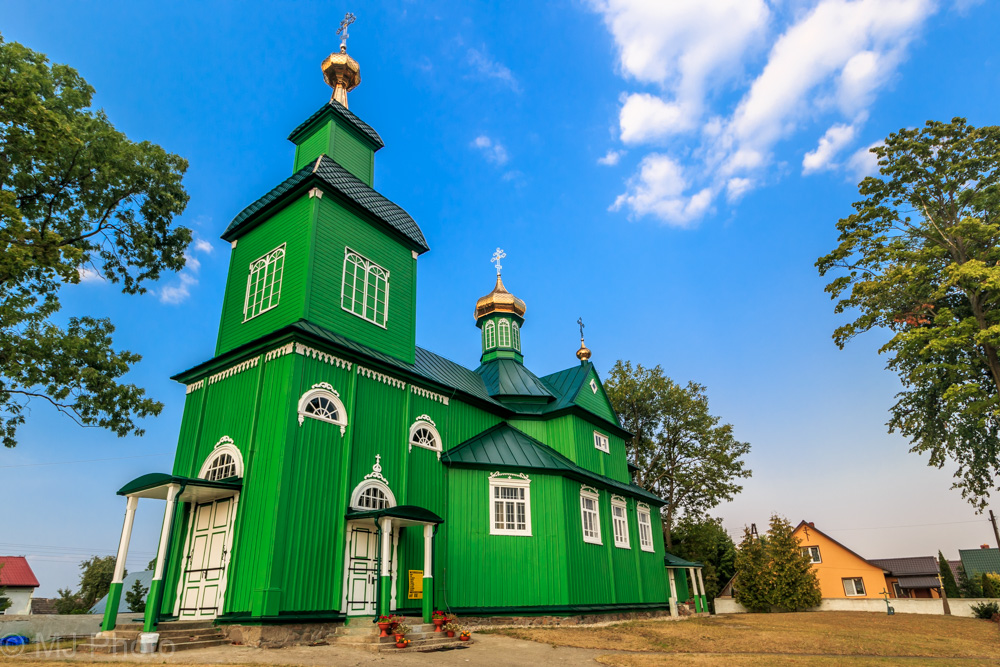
<point x="425" y="393"/>
<point x="615" y="498"/>
<point x="381" y="377"/>
<point x="279" y="352"/>
<point x="233" y="370"/>
<point x="313" y="353"/>
<point x="195" y="386"/>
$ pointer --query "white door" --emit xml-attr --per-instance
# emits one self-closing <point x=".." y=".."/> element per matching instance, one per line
<point x="204" y="577"/>
<point x="361" y="582"/>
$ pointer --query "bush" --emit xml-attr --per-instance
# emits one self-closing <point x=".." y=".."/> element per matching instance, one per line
<point x="985" y="609"/>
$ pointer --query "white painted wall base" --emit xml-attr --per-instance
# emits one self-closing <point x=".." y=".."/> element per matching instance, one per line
<point x="959" y="606"/>
<point x="20" y="599"/>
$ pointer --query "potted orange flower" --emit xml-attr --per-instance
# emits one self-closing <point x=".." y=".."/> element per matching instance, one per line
<point x="402" y="643"/>
<point x="465" y="634"/>
<point x="401" y="630"/>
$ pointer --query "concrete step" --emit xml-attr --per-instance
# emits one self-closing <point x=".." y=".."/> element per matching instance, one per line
<point x="193" y="634"/>
<point x="427" y="645"/>
<point x="186" y="646"/>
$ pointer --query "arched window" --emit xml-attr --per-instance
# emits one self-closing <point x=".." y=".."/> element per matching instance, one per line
<point x="424" y="434"/>
<point x="489" y="336"/>
<point x="264" y="283"/>
<point x="224" y="462"/>
<point x="373" y="493"/>
<point x="323" y="403"/>
<point x="515" y="333"/>
<point x="372" y="498"/>
<point x="503" y="333"/>
<point x="366" y="288"/>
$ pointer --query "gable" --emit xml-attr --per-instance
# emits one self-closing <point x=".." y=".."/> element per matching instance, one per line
<point x="591" y="397"/>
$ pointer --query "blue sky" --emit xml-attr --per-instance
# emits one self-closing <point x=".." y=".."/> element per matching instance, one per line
<point x="669" y="171"/>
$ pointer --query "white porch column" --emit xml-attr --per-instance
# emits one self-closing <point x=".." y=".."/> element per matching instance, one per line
<point x="154" y="598"/>
<point x="673" y="591"/>
<point x="701" y="584"/>
<point x="385" y="572"/>
<point x="130" y="506"/>
<point x="427" y="602"/>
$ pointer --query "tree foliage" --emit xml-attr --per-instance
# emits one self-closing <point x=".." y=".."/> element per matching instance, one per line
<point x="135" y="597"/>
<point x="706" y="541"/>
<point x="682" y="452"/>
<point x="772" y="572"/>
<point x="77" y="198"/>
<point x="5" y="602"/>
<point x="95" y="581"/>
<point x="948" y="578"/>
<point x="989" y="585"/>
<point x="918" y="257"/>
<point x="969" y="587"/>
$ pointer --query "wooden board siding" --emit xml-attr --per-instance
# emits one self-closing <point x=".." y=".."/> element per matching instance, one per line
<point x="573" y="437"/>
<point x="291" y="226"/>
<point x="339" y="143"/>
<point x="597" y="403"/>
<point x="336" y="229"/>
<point x="317" y="142"/>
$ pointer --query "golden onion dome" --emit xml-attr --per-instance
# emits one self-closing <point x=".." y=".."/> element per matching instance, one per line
<point x="583" y="354"/>
<point x="499" y="301"/>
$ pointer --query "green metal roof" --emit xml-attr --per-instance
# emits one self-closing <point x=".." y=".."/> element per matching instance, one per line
<point x="670" y="560"/>
<point x="335" y="108"/>
<point x="978" y="561"/>
<point x="406" y="512"/>
<point x="504" y="446"/>
<point x="329" y="175"/>
<point x="566" y="384"/>
<point x="506" y="377"/>
<point x="157" y="479"/>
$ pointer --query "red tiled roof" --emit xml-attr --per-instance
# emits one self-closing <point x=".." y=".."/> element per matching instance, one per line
<point x="15" y="571"/>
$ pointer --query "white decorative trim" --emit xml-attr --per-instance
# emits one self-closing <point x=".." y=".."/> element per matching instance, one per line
<point x="234" y="244"/>
<point x="426" y="423"/>
<point x="511" y="476"/>
<point x="381" y="377"/>
<point x="316" y="192"/>
<point x="224" y="440"/>
<point x="426" y="418"/>
<point x="316" y="166"/>
<point x="279" y="352"/>
<point x="593" y="385"/>
<point x="589" y="489"/>
<point x="195" y="386"/>
<point x="602" y="443"/>
<point x="590" y="493"/>
<point x="415" y="254"/>
<point x="642" y="506"/>
<point x="621" y="538"/>
<point x="225" y="445"/>
<point x="307" y="351"/>
<point x="645" y="536"/>
<point x="326" y="390"/>
<point x="425" y="393"/>
<point x="376" y="472"/>
<point x="514" y="480"/>
<point x="233" y="370"/>
<point x="615" y="498"/>
<point x="367" y="483"/>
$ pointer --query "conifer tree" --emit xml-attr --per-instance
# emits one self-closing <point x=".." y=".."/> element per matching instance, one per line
<point x="795" y="585"/>
<point x="948" y="578"/>
<point x="752" y="584"/>
<point x="989" y="588"/>
<point x="968" y="586"/>
<point x="136" y="597"/>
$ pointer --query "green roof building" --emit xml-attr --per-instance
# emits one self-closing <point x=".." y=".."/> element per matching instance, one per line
<point x="327" y="467"/>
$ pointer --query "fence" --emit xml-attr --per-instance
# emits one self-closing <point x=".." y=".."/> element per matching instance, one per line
<point x="959" y="606"/>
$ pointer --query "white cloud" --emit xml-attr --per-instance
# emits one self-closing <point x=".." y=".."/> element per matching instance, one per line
<point x="202" y="245"/>
<point x="661" y="189"/>
<point x="611" y="158"/>
<point x="89" y="275"/>
<point x="646" y="118"/>
<point x="830" y="144"/>
<point x="863" y="162"/>
<point x="493" y="151"/>
<point x="737" y="187"/>
<point x="188" y="276"/>
<point x="492" y="69"/>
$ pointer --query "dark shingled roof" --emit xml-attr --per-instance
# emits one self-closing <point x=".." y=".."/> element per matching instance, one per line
<point x="504" y="446"/>
<point x="328" y="174"/>
<point x="333" y="107"/>
<point x="919" y="582"/>
<point x="912" y="566"/>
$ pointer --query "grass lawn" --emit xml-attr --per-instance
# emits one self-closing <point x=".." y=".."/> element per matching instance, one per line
<point x="818" y="638"/>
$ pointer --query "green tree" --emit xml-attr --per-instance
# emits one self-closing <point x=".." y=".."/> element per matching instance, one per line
<point x="76" y="197"/>
<point x="69" y="602"/>
<point x="772" y="572"/>
<point x="135" y="597"/>
<point x="706" y="542"/>
<point x="151" y="565"/>
<point x="948" y="578"/>
<point x="682" y="452"/>
<point x="989" y="588"/>
<point x="753" y="583"/>
<point x="919" y="258"/>
<point x="969" y="587"/>
<point x="5" y="602"/>
<point x="95" y="582"/>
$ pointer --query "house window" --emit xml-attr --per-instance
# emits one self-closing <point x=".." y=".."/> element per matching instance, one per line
<point x="510" y="503"/>
<point x="601" y="442"/>
<point x="489" y="336"/>
<point x="515" y="332"/>
<point x="323" y="403"/>
<point x="366" y="288"/>
<point x="424" y="433"/>
<point x="589" y="515"/>
<point x="224" y="462"/>
<point x="812" y="553"/>
<point x="897" y="591"/>
<point x="645" y="528"/>
<point x="372" y="498"/>
<point x="503" y="333"/>
<point x="854" y="587"/>
<point x="223" y="466"/>
<point x="264" y="283"/>
<point x="619" y="521"/>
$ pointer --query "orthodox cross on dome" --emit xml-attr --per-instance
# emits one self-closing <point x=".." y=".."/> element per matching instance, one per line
<point x="580" y="322"/>
<point x="349" y="18"/>
<point x="497" y="256"/>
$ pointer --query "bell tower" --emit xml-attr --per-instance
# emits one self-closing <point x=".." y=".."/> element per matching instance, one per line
<point x="500" y="316"/>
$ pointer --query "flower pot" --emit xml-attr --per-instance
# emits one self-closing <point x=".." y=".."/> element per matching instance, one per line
<point x="438" y="622"/>
<point x="399" y="638"/>
<point x="401" y="644"/>
<point x="451" y="633"/>
<point x="384" y="627"/>
<point x="464" y="638"/>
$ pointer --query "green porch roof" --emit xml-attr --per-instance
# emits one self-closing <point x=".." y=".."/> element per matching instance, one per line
<point x="335" y="108"/>
<point x="506" y="377"/>
<point x="405" y="512"/>
<point x="670" y="560"/>
<point x="158" y="480"/>
<point x="978" y="561"/>
<point x="504" y="446"/>
<point x="330" y="176"/>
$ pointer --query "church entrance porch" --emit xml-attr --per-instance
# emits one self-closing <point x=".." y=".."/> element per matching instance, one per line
<point x="209" y="541"/>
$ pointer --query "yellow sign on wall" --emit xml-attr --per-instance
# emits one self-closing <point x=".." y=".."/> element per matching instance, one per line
<point x="416" y="585"/>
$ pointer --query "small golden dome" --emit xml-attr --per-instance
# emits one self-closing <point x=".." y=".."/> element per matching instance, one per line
<point x="342" y="73"/>
<point x="583" y="354"/>
<point x="499" y="301"/>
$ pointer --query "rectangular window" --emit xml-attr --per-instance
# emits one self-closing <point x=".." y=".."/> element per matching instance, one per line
<point x="601" y="442"/>
<point x="897" y="590"/>
<point x="854" y="587"/>
<point x="365" y="289"/>
<point x="812" y="553"/>
<point x="589" y="515"/>
<point x="510" y="500"/>
<point x="619" y="522"/>
<point x="264" y="283"/>
<point x="645" y="528"/>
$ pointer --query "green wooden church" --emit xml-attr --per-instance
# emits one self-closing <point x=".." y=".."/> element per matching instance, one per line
<point x="328" y="467"/>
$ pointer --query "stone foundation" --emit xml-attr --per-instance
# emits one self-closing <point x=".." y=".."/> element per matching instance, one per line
<point x="276" y="636"/>
<point x="483" y="622"/>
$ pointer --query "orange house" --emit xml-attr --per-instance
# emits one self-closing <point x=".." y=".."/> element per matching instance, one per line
<point x="841" y="572"/>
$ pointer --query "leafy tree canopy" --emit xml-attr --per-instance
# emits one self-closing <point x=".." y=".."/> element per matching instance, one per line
<point x="77" y="197"/>
<point x="683" y="454"/>
<point x="135" y="597"/>
<point x="918" y="257"/>
<point x="706" y="541"/>
<point x="5" y="602"/>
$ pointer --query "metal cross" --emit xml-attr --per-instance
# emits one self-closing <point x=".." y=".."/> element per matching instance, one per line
<point x="349" y="18"/>
<point x="497" y="256"/>
<point x="580" y="322"/>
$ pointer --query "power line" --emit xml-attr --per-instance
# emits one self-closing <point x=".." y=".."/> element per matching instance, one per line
<point x="912" y="525"/>
<point x="60" y="463"/>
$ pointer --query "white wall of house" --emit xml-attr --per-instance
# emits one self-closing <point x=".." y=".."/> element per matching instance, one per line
<point x="20" y="599"/>
<point x="959" y="606"/>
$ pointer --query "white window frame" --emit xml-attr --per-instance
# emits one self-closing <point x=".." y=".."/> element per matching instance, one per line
<point x="426" y="423"/>
<point x="814" y="558"/>
<point x="515" y="336"/>
<point x="619" y="525"/>
<point x="590" y="493"/>
<point x="325" y="390"/>
<point x="265" y="263"/>
<point x="854" y="586"/>
<point x="489" y="336"/>
<point x="225" y="445"/>
<point x="500" y="480"/>
<point x="503" y="332"/>
<point x="602" y="442"/>
<point x="645" y="529"/>
<point x="360" y="489"/>
<point x="369" y="268"/>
